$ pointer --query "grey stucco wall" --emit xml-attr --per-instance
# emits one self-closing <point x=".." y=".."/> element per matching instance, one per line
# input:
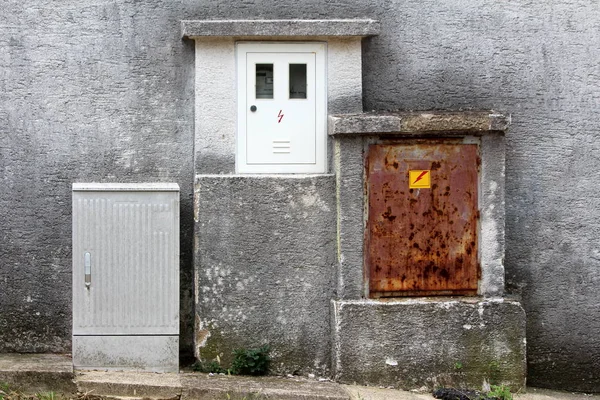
<point x="89" y="91"/>
<point x="103" y="91"/>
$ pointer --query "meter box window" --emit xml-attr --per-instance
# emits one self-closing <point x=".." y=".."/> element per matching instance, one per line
<point x="126" y="276"/>
<point x="421" y="236"/>
<point x="281" y="108"/>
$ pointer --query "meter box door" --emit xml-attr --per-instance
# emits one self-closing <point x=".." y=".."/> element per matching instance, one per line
<point x="281" y="108"/>
<point x="126" y="276"/>
<point x="423" y="218"/>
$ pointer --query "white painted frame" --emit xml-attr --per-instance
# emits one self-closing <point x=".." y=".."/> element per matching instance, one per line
<point x="320" y="50"/>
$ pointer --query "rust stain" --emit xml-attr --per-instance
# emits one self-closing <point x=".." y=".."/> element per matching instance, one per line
<point x="422" y="241"/>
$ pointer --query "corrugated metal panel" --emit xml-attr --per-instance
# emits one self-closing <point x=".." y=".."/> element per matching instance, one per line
<point x="422" y="241"/>
<point x="133" y="241"/>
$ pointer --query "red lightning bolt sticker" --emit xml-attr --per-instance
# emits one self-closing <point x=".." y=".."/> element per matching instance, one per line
<point x="280" y="116"/>
<point x="420" y="176"/>
<point x="419" y="179"/>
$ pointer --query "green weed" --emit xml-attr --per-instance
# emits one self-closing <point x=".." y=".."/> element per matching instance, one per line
<point x="46" y="396"/>
<point x="245" y="362"/>
<point x="500" y="392"/>
<point x="251" y="361"/>
<point x="6" y="393"/>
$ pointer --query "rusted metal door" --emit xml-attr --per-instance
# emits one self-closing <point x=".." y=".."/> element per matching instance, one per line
<point x="422" y="240"/>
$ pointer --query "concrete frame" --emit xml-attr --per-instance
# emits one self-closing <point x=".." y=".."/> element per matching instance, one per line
<point x="380" y="342"/>
<point x="216" y="86"/>
<point x="354" y="133"/>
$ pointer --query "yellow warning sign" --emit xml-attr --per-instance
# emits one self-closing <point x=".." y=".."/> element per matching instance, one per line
<point x="419" y="179"/>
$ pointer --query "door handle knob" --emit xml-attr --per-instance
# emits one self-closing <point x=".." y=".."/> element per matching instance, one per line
<point x="252" y="108"/>
<point x="87" y="266"/>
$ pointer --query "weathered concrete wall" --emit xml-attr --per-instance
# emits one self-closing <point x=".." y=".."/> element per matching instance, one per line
<point x="89" y="91"/>
<point x="464" y="343"/>
<point x="265" y="255"/>
<point x="102" y="90"/>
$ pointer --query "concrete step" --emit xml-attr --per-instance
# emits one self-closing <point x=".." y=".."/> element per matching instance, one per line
<point x="113" y="384"/>
<point x="205" y="387"/>
<point x="34" y="373"/>
<point x="92" y="397"/>
<point x="191" y="386"/>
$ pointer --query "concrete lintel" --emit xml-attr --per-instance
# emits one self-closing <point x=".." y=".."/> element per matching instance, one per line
<point x="282" y="27"/>
<point x="418" y="123"/>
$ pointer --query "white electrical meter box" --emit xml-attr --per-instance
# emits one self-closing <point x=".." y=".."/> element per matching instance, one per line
<point x="126" y="276"/>
<point x="281" y="108"/>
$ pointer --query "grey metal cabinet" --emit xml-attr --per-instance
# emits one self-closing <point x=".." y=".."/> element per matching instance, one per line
<point x="126" y="276"/>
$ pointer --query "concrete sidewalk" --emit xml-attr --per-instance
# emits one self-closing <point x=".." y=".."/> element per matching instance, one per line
<point x="32" y="373"/>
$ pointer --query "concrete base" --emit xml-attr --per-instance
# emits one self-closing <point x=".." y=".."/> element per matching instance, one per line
<point x="134" y="353"/>
<point x="265" y="265"/>
<point x="430" y="343"/>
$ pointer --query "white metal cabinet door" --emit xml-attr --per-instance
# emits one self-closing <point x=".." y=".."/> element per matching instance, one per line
<point x="282" y="129"/>
<point x="281" y="125"/>
<point x="131" y="242"/>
